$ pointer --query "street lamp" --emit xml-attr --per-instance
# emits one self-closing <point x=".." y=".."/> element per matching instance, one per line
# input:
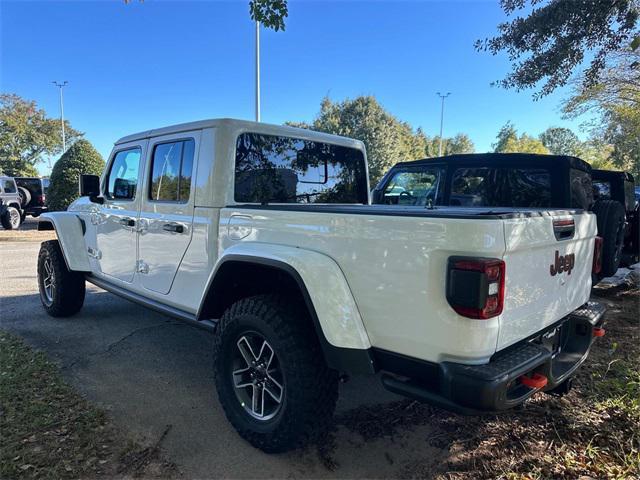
<point x="257" y="71"/>
<point x="442" y="119"/>
<point x="61" y="85"/>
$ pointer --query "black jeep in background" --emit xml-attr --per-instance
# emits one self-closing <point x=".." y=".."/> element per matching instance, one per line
<point x="507" y="180"/>
<point x="620" y="186"/>
<point x="33" y="193"/>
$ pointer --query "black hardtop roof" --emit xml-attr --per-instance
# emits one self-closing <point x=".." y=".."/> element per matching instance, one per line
<point x="504" y="159"/>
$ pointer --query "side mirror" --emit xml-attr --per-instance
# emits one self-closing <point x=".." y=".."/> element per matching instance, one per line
<point x="90" y="187"/>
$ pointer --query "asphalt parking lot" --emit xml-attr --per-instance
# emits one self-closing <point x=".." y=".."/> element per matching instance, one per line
<point x="150" y="371"/>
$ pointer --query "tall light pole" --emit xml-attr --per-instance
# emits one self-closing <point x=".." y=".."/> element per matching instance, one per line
<point x="257" y="71"/>
<point x="442" y="119"/>
<point x="61" y="85"/>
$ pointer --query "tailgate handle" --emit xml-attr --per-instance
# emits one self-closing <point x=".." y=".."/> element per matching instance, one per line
<point x="564" y="229"/>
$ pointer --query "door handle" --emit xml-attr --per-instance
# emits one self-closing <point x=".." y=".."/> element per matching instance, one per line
<point x="173" y="227"/>
<point x="128" y="222"/>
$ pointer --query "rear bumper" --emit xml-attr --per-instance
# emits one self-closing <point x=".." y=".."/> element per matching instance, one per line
<point x="555" y="353"/>
<point x="35" y="210"/>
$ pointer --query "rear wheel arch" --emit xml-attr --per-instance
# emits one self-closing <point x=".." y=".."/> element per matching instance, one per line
<point x="240" y="276"/>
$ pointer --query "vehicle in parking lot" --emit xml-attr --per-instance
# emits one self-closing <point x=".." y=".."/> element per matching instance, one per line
<point x="620" y="187"/>
<point x="33" y="194"/>
<point x="507" y="180"/>
<point x="265" y="235"/>
<point x="11" y="212"/>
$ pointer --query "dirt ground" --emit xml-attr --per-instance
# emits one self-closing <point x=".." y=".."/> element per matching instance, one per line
<point x="147" y="371"/>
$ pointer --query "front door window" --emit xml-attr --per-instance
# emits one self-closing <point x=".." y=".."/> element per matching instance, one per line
<point x="122" y="179"/>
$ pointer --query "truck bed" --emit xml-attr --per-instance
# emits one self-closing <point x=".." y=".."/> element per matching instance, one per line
<point x="395" y="262"/>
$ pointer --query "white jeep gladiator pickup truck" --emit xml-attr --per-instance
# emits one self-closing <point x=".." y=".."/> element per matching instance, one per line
<point x="265" y="235"/>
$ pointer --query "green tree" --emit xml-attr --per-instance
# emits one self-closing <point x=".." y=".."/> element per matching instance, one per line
<point x="460" y="143"/>
<point x="270" y="13"/>
<point x="506" y="134"/>
<point x="614" y="106"/>
<point x="561" y="141"/>
<point x="387" y="139"/>
<point x="80" y="158"/>
<point x="597" y="153"/>
<point x="508" y="141"/>
<point x="551" y="41"/>
<point x="26" y="134"/>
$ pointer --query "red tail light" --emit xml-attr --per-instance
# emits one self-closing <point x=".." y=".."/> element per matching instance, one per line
<point x="475" y="286"/>
<point x="597" y="256"/>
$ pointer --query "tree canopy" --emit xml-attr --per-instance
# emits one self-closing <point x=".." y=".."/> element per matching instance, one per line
<point x="26" y="134"/>
<point x="459" y="143"/>
<point x="387" y="139"/>
<point x="561" y="141"/>
<point x="551" y="42"/>
<point x="270" y="13"/>
<point x="508" y="141"/>
<point x="615" y="103"/>
<point x="80" y="158"/>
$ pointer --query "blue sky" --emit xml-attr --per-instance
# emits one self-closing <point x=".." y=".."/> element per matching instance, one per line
<point x="144" y="65"/>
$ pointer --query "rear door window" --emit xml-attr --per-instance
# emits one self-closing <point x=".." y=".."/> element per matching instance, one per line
<point x="171" y="171"/>
<point x="526" y="187"/>
<point x="602" y="189"/>
<point x="473" y="187"/>
<point x="414" y="187"/>
<point x="274" y="169"/>
<point x="501" y="187"/>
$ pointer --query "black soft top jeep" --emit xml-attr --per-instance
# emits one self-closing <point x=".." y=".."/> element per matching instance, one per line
<point x="489" y="180"/>
<point x="507" y="180"/>
<point x="33" y="193"/>
<point x="620" y="186"/>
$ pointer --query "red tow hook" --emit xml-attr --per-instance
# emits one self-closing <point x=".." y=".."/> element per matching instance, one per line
<point x="536" y="380"/>
<point x="599" y="332"/>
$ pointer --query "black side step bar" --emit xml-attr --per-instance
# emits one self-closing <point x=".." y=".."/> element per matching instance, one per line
<point x="186" y="317"/>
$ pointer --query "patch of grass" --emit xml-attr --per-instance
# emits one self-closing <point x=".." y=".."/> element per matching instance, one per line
<point x="618" y="387"/>
<point x="47" y="430"/>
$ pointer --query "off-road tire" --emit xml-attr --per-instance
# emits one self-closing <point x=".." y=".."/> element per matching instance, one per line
<point x="611" y="225"/>
<point x="67" y="296"/>
<point x="25" y="196"/>
<point x="310" y="387"/>
<point x="11" y="219"/>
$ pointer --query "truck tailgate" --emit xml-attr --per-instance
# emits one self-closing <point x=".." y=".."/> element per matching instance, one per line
<point x="548" y="272"/>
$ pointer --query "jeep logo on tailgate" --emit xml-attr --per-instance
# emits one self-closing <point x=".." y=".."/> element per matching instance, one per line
<point x="563" y="263"/>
